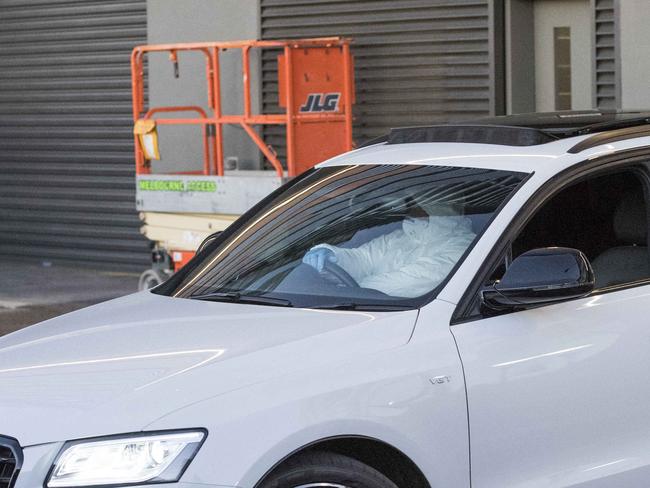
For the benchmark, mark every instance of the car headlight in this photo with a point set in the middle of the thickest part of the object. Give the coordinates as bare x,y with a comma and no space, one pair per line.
125,460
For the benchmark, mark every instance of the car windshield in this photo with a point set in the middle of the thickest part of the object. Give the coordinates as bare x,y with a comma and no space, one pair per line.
382,237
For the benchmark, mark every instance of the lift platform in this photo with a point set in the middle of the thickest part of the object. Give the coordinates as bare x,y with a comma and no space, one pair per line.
179,209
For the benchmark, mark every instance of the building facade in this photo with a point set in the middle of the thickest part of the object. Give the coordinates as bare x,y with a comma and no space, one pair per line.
66,164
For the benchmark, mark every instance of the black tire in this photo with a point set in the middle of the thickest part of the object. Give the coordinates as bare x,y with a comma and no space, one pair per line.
326,470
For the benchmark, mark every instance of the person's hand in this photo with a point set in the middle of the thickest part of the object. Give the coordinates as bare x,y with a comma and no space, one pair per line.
316,258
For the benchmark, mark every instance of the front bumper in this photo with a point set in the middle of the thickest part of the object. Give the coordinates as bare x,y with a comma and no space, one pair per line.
38,461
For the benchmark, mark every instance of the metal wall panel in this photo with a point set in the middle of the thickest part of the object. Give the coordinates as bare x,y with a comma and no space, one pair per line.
606,55
67,189
416,61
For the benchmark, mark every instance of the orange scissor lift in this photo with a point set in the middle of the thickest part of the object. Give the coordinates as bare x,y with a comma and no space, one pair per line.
180,209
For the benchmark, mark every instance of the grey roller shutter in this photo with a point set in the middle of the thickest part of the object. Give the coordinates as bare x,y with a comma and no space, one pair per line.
416,61
607,72
66,156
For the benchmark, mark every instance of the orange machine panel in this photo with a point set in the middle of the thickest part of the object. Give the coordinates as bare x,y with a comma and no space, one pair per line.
318,87
181,258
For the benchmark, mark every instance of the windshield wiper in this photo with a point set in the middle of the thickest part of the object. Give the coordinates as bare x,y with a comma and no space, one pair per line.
235,297
368,307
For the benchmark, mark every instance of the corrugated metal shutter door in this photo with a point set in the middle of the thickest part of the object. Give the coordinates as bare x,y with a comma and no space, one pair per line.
66,161
417,61
606,78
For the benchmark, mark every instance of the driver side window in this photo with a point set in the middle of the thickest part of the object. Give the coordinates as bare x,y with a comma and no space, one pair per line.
605,217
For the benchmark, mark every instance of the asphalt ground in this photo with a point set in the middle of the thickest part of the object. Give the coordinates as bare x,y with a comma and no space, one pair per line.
33,292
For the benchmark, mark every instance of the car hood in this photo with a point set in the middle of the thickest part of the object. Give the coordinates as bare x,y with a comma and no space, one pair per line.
118,366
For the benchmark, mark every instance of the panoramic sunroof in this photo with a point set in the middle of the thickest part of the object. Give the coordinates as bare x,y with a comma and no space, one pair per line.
522,130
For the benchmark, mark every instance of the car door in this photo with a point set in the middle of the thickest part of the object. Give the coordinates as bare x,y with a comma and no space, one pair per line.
560,395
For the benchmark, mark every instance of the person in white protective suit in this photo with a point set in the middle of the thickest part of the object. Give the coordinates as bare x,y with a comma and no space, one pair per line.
407,262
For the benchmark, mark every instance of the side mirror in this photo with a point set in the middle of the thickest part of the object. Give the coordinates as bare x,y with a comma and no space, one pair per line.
541,276
208,240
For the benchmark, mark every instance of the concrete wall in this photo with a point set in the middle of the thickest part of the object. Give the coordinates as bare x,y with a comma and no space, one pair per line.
634,32
200,20
520,56
575,14
530,53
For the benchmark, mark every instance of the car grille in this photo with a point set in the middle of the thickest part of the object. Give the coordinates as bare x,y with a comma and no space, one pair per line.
9,462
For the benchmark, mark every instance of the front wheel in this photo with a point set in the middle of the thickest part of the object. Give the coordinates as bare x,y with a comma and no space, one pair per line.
326,470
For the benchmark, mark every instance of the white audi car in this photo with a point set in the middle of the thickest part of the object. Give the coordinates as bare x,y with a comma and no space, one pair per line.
451,306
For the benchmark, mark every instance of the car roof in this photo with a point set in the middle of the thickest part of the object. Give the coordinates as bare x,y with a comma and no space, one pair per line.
546,142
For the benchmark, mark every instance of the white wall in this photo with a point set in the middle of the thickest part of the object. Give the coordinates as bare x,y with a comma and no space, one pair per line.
560,13
635,53
170,21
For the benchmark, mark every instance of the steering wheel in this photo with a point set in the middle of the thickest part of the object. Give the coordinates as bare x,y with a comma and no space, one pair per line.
340,276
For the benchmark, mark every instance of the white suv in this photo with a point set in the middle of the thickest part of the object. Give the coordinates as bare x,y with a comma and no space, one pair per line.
453,306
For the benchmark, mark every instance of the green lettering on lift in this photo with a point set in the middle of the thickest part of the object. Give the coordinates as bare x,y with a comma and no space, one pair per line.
178,185
161,185
202,185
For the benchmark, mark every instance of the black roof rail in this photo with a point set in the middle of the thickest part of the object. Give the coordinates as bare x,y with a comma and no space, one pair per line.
531,129
479,134
614,124
611,136
572,123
